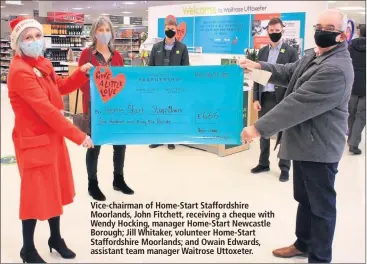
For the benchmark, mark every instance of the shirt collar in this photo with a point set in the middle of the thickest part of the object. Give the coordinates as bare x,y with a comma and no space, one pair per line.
173,42
278,46
94,51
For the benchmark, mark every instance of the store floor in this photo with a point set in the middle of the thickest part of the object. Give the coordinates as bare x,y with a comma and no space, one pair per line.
185,175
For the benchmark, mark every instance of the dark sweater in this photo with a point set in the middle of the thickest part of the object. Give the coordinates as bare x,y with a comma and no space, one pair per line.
357,51
179,55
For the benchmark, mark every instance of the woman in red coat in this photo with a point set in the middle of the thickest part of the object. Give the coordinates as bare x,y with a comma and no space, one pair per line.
40,128
101,53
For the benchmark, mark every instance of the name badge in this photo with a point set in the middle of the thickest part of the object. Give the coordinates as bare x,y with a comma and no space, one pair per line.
282,50
37,72
177,52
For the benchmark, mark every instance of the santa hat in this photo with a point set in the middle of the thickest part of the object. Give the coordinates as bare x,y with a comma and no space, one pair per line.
18,25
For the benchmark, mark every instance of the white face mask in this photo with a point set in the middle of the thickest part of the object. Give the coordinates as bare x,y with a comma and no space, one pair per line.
33,49
104,38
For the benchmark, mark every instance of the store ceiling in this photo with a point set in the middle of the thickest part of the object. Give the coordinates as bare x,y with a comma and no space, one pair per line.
91,8
355,9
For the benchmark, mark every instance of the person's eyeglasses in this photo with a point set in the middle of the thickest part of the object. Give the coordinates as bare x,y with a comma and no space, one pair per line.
329,28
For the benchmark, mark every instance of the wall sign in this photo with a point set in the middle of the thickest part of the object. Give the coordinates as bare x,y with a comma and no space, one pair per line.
185,30
65,17
232,34
137,21
118,20
36,13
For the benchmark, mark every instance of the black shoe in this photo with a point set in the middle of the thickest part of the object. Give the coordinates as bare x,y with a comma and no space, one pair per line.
155,146
119,184
355,150
61,248
31,257
171,146
94,191
260,168
284,176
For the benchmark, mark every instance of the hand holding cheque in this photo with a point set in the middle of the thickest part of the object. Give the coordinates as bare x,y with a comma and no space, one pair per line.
250,133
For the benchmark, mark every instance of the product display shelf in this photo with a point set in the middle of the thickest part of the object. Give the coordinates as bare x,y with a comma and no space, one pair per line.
69,100
127,42
63,42
6,55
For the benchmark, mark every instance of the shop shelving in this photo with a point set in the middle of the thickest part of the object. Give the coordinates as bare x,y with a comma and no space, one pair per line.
127,42
59,39
6,56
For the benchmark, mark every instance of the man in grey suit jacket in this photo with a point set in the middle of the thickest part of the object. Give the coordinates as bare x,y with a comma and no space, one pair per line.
313,117
268,96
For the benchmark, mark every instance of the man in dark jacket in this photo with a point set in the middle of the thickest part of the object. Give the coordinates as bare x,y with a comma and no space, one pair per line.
357,103
169,52
268,96
313,117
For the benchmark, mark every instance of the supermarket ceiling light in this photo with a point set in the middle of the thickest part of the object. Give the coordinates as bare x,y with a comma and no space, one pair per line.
126,12
129,3
78,8
13,2
351,8
2,6
331,2
23,14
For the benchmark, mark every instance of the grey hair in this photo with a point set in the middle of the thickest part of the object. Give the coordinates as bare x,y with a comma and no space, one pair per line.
343,18
102,20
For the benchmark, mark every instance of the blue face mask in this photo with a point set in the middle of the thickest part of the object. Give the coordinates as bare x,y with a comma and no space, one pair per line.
32,49
104,38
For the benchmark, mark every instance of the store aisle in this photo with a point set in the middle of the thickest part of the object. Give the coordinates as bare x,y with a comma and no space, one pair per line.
185,175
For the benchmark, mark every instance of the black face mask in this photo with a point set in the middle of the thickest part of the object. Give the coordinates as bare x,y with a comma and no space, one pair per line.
170,33
325,39
275,37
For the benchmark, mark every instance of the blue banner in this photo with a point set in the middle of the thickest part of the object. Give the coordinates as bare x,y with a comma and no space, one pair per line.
222,34
184,34
161,105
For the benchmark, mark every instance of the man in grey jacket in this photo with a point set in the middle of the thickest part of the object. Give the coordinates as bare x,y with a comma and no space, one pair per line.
313,117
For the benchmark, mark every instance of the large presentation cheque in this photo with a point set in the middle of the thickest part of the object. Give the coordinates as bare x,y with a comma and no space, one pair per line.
152,105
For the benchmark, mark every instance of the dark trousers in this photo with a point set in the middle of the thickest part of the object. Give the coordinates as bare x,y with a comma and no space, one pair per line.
313,186
92,160
357,119
268,102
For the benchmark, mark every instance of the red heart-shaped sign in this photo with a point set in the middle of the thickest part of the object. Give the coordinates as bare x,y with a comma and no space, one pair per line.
108,86
181,31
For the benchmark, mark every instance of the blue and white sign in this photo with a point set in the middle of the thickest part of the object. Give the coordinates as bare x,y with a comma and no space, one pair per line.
153,105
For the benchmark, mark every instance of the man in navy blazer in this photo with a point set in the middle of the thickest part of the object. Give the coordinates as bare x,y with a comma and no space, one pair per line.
268,96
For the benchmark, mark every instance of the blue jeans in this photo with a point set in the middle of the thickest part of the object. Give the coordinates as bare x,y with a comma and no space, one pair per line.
313,186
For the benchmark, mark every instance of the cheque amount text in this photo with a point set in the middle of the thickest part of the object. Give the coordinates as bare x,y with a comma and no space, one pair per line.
211,74
208,116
